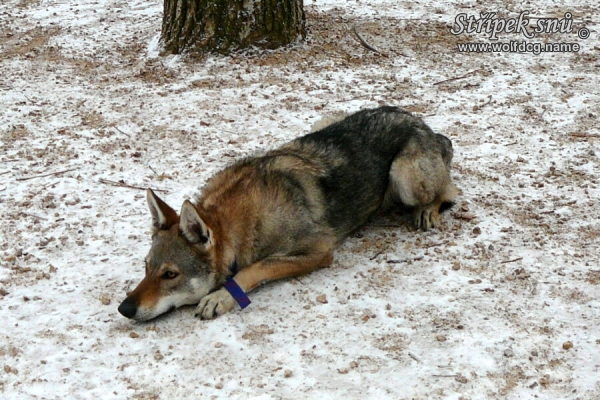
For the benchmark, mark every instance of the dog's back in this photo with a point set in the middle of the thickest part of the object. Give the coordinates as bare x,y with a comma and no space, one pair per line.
340,175
358,152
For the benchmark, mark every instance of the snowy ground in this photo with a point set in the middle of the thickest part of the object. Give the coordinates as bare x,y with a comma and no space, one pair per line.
483,308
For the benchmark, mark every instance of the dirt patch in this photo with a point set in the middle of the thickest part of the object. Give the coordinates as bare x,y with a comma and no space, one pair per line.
29,44
593,277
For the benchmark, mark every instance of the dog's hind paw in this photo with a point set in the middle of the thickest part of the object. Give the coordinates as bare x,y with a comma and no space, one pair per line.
215,304
426,218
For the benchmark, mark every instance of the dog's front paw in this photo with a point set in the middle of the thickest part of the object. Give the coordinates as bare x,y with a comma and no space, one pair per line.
215,304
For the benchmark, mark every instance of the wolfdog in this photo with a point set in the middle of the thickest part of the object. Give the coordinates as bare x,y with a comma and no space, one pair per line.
281,213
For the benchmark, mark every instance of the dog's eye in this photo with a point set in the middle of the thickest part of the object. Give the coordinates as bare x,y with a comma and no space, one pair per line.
170,275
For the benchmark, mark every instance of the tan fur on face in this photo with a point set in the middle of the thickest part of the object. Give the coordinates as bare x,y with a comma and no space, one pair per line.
148,292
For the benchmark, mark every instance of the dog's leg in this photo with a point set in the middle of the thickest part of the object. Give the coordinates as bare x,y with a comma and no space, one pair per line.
268,269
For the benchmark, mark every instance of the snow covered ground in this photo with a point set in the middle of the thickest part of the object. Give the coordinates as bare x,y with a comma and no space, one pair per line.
501,302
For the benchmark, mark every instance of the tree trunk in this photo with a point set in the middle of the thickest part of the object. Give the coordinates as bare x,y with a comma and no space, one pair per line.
226,25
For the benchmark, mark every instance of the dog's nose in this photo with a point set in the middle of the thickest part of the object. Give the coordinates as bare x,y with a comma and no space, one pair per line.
128,308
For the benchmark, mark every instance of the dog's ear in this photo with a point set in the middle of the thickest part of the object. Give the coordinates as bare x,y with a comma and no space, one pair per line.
192,226
163,216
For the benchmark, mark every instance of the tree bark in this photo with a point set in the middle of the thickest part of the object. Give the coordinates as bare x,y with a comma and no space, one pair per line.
227,25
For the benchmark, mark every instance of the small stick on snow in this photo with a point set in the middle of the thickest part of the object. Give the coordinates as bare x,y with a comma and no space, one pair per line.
584,135
44,175
485,104
4,173
458,77
118,130
299,281
33,215
411,355
365,44
437,244
510,261
435,112
353,98
406,260
24,95
152,169
123,184
376,255
444,376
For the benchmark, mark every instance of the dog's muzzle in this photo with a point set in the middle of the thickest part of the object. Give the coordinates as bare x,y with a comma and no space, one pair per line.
128,308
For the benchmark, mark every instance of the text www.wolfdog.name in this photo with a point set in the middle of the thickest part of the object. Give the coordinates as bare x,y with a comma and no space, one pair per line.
518,47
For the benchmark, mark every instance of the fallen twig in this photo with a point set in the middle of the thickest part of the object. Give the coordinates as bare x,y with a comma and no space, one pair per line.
411,355
458,77
435,112
299,281
479,107
436,244
405,260
32,215
376,255
44,175
24,95
444,376
366,44
150,166
4,173
123,184
510,261
118,130
584,135
354,98
41,189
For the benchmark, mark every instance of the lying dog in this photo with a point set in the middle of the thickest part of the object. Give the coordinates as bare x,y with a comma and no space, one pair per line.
282,213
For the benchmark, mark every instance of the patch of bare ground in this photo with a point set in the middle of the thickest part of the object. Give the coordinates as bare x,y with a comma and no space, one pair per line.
28,44
27,3
593,276
257,333
392,344
12,134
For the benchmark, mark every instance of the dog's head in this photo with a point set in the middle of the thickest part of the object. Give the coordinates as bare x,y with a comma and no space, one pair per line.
178,266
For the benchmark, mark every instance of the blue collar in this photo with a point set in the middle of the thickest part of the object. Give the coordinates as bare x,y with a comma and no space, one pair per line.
234,289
